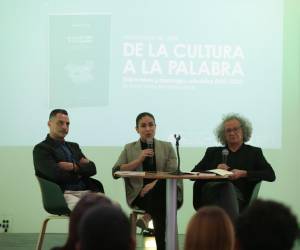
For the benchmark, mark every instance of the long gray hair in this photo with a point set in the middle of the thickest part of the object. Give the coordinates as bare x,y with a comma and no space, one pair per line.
245,126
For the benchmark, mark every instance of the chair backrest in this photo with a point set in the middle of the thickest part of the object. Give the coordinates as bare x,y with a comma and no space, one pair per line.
53,199
254,193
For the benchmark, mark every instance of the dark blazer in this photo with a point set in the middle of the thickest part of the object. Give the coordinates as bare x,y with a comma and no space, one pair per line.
247,158
46,156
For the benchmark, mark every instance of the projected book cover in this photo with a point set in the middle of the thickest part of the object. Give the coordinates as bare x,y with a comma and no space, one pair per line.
79,60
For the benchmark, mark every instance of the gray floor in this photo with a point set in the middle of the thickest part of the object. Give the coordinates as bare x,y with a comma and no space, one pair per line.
14,241
10,241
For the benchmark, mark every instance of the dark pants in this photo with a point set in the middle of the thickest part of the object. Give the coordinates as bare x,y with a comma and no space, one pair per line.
154,203
222,194
84,184
94,185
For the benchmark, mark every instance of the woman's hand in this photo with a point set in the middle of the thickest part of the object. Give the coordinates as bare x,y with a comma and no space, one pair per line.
146,153
147,188
131,166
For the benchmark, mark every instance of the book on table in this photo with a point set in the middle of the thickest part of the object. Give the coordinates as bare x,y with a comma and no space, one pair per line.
221,172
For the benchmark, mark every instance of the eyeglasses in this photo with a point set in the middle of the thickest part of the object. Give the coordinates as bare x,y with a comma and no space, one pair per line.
234,130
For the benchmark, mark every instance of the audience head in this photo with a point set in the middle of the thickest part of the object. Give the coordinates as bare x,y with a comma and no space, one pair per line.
266,225
105,228
86,202
145,126
58,124
210,229
233,129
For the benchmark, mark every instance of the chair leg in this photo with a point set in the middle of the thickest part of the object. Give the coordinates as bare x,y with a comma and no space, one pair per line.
42,234
177,242
133,218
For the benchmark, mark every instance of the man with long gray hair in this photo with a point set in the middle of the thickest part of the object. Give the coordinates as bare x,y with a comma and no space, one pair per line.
247,164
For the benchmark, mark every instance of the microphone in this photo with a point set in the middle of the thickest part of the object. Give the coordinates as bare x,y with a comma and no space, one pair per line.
149,142
225,154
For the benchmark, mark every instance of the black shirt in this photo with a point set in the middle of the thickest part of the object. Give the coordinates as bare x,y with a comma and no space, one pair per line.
149,164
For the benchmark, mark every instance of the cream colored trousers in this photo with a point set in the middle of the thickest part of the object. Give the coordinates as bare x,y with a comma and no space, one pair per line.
72,197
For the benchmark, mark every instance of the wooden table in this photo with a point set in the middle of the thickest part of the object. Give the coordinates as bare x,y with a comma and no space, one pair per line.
171,193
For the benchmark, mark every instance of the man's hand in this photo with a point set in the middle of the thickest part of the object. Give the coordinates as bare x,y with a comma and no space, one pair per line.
147,188
223,166
84,161
237,174
67,166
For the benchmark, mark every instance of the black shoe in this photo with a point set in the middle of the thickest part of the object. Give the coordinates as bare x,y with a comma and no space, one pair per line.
149,232
141,224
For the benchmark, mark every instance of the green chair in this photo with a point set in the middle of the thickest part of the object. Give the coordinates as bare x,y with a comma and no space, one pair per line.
254,194
54,203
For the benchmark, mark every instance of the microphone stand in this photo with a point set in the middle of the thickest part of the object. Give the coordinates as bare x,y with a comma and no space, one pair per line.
177,172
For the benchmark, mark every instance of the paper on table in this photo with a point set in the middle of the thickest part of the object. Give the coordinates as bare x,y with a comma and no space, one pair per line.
219,171
130,173
201,174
